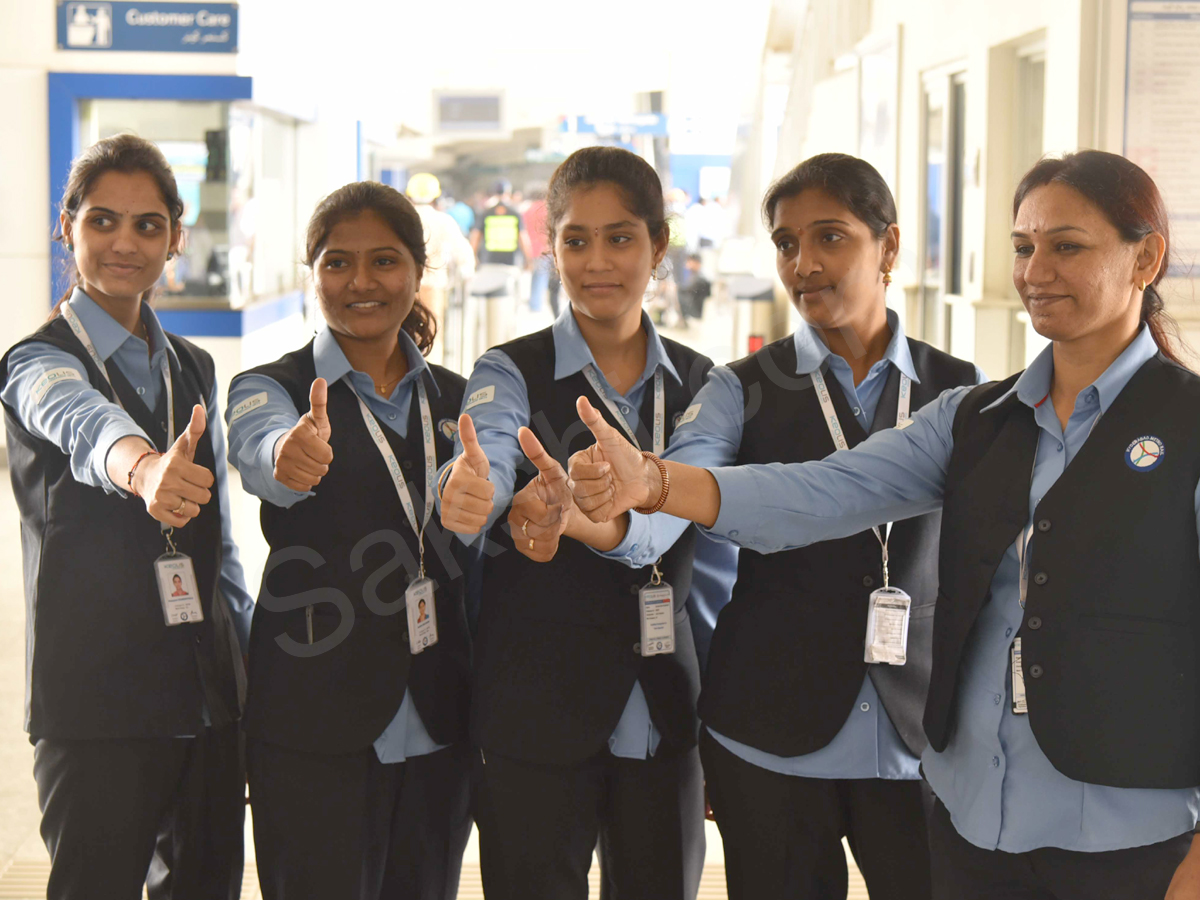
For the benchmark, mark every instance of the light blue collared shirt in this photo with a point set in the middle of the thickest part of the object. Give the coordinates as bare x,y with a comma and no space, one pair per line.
1001,790
496,422
868,745
79,420
252,439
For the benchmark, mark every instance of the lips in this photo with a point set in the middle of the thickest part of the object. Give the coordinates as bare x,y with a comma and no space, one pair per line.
122,268
813,292
366,305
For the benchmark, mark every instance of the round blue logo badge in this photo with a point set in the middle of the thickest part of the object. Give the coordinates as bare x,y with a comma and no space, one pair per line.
1145,454
449,429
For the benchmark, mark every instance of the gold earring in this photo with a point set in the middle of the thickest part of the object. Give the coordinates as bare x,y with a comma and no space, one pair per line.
1143,285
887,277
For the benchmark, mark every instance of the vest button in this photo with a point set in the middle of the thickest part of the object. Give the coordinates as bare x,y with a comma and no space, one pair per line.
637,648
868,581
1043,525
407,464
404,635
1035,671
1041,578
198,639
164,427
1034,623
634,589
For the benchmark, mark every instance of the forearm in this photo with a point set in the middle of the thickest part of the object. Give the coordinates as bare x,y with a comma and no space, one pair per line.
693,495
122,456
602,536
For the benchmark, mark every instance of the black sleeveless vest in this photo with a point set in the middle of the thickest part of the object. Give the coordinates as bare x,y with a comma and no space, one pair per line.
1111,633
557,652
786,663
349,551
100,661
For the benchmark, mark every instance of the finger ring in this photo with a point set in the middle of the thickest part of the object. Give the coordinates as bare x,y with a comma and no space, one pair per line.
525,528
531,543
178,511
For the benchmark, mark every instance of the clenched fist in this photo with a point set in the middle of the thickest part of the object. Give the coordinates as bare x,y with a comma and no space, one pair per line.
303,455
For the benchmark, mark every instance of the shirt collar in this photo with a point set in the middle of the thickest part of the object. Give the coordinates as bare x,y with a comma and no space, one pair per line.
332,365
811,351
572,354
1033,386
106,333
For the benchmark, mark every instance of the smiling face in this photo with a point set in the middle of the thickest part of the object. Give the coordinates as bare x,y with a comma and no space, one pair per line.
604,254
1074,272
366,278
829,260
122,234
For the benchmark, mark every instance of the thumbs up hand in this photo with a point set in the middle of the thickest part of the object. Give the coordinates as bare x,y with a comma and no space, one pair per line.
303,455
467,494
610,477
172,486
541,511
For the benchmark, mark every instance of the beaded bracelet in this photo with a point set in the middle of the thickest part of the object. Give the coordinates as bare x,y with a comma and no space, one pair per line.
666,485
133,471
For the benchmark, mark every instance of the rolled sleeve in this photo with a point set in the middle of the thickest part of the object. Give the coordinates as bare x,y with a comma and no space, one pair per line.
67,411
260,413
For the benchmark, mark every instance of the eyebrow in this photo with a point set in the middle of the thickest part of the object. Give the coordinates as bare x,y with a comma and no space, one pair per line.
624,223
1056,230
372,250
782,228
115,214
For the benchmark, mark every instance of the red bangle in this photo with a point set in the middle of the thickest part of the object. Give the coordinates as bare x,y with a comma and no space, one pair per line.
133,471
666,485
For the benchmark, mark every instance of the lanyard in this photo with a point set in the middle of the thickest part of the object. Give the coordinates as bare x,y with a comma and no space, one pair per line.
903,408
393,465
589,372
86,340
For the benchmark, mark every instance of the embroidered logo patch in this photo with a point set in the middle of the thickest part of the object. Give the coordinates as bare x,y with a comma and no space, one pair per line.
688,415
50,379
481,396
449,429
1146,453
247,405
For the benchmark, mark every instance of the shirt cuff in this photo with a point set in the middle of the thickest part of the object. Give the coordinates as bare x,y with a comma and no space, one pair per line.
636,537
741,506
275,492
108,439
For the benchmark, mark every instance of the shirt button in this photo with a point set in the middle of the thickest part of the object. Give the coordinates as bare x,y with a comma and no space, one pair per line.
1035,623
1040,578
857,411
198,639
868,581
995,762
625,409
1008,632
1060,447
633,549
1043,525
997,699
865,706
141,392
164,426
733,533
1035,671
392,416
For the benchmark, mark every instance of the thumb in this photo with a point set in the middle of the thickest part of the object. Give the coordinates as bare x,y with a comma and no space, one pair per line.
191,436
473,453
318,396
547,465
606,436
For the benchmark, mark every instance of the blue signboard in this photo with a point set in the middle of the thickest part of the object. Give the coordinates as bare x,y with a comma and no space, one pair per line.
155,26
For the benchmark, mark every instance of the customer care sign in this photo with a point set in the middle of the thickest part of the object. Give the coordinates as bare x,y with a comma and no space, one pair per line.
161,27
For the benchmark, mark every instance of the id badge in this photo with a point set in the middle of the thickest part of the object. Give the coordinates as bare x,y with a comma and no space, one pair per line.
177,589
1019,705
658,619
887,627
422,615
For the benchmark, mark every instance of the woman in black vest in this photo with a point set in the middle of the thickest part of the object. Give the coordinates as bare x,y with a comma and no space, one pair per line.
356,716
790,770
1063,713
585,727
116,454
